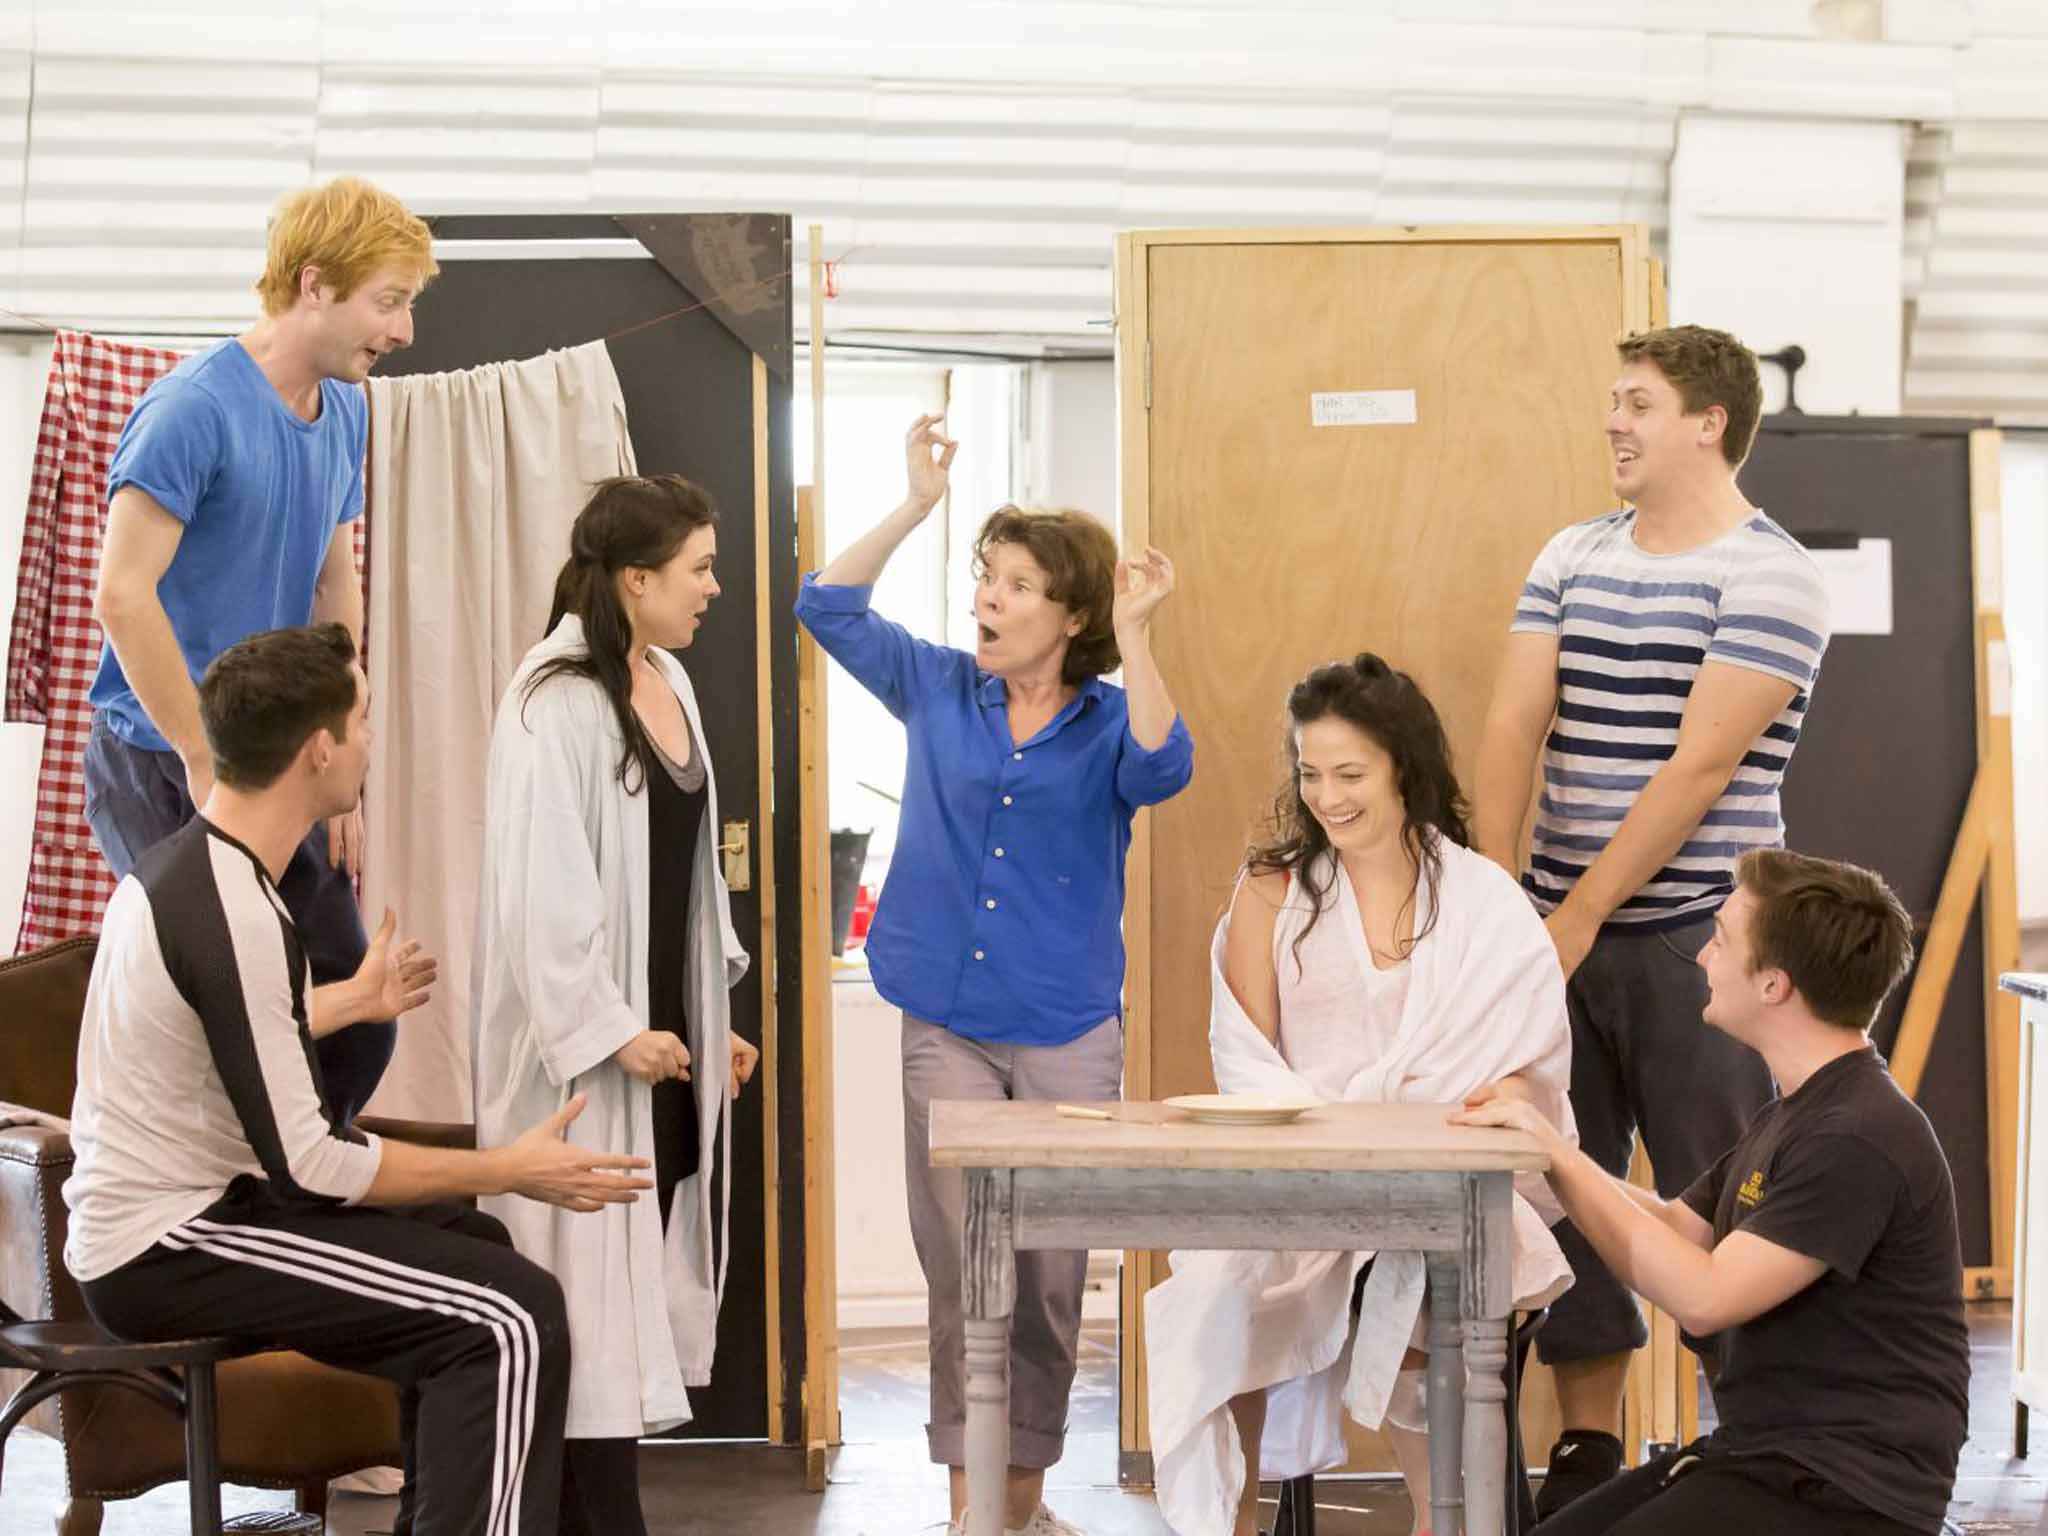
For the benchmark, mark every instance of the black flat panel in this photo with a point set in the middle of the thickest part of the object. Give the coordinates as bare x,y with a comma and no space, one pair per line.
1882,772
688,386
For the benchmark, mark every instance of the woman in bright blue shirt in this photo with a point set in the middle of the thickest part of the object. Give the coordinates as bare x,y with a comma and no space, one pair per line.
999,929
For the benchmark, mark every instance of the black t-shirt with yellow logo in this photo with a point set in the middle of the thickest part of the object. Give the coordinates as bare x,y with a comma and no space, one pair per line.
1864,1376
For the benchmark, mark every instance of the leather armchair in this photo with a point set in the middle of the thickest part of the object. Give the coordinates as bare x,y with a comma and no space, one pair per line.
285,1421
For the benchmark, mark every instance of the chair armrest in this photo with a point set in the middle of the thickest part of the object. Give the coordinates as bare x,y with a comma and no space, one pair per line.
34,1163
421,1133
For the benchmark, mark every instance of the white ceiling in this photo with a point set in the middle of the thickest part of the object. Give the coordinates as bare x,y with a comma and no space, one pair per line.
971,161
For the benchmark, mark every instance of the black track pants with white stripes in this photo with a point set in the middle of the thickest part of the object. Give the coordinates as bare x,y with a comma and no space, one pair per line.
424,1298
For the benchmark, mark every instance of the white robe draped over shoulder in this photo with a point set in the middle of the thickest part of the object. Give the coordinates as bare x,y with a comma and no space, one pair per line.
1485,998
560,983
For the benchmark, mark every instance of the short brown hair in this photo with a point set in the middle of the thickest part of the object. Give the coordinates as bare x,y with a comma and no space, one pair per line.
263,697
1836,930
348,229
1706,367
1078,556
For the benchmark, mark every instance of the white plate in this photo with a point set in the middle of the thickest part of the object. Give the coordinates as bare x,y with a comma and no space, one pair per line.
1240,1108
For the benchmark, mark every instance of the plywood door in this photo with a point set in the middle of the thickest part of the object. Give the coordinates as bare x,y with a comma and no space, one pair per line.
1298,544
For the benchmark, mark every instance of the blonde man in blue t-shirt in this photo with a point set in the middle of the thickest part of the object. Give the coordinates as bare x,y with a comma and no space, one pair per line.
1659,666
230,501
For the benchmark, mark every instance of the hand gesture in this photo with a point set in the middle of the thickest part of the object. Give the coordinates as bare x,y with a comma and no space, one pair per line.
395,980
1141,586
927,472
745,1055
543,1166
654,1056
345,841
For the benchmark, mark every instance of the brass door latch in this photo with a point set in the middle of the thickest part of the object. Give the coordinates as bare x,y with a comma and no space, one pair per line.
737,849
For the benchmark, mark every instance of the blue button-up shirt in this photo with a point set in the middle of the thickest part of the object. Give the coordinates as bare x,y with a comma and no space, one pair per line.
1002,914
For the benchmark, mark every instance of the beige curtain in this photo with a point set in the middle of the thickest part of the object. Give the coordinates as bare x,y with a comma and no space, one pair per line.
474,479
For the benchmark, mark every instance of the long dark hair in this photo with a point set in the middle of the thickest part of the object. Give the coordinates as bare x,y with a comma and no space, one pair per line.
1390,708
630,521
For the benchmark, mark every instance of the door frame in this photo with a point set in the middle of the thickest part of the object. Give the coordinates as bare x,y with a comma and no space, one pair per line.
732,265
1642,304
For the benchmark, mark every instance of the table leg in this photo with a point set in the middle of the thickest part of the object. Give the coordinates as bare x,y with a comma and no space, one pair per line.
1486,1425
1446,1401
988,1294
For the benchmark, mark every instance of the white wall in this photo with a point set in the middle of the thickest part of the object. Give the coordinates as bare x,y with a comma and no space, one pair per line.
1788,231
2024,458
1069,434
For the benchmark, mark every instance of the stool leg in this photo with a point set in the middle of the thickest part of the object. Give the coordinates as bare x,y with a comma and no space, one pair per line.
202,1449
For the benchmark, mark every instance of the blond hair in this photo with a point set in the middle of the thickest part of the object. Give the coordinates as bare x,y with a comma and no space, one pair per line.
347,229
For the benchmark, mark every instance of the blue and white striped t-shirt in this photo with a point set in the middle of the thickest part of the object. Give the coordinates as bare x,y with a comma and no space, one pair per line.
1633,630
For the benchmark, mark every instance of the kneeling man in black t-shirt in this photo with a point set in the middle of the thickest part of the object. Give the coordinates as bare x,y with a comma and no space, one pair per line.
1822,1248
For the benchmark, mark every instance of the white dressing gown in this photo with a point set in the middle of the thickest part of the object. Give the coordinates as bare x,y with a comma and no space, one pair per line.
1484,998
560,983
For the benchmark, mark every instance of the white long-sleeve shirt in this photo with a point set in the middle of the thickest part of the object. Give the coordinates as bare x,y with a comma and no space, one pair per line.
195,1059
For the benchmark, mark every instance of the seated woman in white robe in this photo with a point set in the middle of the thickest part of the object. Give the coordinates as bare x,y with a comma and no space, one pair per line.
1369,955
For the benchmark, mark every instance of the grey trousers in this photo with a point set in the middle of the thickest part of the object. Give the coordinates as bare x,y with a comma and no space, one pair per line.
1046,1326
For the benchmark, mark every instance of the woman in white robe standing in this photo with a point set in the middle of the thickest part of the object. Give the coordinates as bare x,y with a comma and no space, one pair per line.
604,953
1369,955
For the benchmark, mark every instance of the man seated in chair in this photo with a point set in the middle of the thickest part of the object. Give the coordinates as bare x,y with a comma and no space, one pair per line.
1821,1248
217,1193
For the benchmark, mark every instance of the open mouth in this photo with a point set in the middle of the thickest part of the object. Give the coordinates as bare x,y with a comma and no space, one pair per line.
1623,457
988,636
1338,822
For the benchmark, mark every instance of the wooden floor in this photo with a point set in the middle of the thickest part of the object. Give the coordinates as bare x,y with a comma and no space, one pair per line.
882,1484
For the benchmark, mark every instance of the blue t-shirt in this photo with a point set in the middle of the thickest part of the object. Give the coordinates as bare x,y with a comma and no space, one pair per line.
260,493
1002,917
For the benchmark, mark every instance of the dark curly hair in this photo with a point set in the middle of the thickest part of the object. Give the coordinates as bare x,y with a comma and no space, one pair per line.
1078,556
1391,709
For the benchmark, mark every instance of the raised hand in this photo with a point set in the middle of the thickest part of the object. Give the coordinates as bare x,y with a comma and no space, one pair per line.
928,455
1141,586
396,980
542,1166
654,1056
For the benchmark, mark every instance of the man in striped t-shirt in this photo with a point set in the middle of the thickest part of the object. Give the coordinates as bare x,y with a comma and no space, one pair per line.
1660,661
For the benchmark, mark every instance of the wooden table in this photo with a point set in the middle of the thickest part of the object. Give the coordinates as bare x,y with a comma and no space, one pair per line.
1346,1176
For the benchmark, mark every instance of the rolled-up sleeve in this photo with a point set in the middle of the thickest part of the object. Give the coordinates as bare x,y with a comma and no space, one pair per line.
1148,776
884,658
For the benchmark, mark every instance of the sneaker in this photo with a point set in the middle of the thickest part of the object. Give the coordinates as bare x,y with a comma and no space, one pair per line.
1581,1461
1044,1522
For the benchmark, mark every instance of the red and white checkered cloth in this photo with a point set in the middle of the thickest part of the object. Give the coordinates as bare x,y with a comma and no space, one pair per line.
53,648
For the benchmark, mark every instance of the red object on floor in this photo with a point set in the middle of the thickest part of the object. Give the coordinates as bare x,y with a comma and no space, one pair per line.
863,914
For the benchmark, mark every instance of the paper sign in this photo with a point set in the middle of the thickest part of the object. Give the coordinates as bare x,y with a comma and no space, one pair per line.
1362,408
1859,587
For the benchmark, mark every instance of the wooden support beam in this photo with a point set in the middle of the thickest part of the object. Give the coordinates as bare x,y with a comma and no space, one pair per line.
2000,879
764,892
1944,942
821,1246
